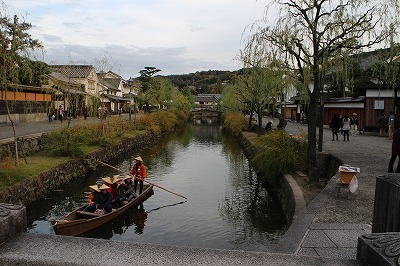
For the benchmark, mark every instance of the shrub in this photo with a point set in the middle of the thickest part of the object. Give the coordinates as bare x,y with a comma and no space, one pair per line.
165,120
234,123
278,153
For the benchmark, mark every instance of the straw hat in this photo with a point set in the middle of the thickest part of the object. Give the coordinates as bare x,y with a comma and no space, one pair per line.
115,179
95,187
354,114
107,179
138,158
104,186
128,177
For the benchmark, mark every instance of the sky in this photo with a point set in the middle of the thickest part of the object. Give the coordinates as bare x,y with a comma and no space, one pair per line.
176,36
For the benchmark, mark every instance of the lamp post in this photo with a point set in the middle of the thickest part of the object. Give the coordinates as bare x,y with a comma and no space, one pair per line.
130,97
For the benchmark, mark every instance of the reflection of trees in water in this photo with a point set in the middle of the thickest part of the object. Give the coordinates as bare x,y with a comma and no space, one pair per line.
207,134
248,208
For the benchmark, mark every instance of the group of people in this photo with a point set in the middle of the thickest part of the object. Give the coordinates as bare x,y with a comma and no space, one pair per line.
344,125
116,192
384,123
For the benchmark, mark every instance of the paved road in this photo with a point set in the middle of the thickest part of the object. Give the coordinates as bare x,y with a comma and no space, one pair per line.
29,128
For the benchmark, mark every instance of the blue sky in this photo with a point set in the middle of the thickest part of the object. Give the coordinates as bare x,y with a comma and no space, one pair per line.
176,36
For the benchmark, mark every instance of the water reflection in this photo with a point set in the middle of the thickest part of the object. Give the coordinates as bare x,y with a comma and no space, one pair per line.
226,207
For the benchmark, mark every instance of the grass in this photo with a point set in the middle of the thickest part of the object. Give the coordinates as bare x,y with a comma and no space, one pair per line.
11,174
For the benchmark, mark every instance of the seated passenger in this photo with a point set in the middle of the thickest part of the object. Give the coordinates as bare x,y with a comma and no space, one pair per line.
119,193
129,188
103,200
107,181
93,191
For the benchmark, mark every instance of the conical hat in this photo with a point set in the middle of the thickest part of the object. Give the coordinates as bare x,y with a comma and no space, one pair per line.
104,186
115,179
128,177
95,187
138,158
107,179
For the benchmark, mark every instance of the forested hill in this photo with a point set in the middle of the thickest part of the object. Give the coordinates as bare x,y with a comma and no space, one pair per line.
204,81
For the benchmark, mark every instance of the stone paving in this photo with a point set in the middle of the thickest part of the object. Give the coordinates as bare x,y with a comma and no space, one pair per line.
324,233
331,224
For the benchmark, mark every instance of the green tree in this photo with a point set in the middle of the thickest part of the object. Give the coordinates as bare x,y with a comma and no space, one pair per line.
15,41
308,34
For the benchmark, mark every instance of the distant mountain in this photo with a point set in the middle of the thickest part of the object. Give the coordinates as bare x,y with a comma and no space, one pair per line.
203,81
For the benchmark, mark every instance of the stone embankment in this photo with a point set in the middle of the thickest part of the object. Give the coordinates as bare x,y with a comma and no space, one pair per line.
34,188
287,189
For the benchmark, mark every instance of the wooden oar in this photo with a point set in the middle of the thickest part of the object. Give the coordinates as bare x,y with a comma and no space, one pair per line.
127,173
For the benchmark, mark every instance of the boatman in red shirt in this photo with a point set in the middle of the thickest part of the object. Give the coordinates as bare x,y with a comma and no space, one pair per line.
140,173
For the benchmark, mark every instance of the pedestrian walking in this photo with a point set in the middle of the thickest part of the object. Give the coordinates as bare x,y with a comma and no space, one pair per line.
334,124
60,113
354,124
346,127
50,113
391,125
395,152
382,123
85,112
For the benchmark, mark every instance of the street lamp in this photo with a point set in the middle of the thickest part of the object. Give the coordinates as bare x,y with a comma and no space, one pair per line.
130,83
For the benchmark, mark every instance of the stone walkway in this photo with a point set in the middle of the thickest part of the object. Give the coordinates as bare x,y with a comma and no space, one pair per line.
324,233
330,225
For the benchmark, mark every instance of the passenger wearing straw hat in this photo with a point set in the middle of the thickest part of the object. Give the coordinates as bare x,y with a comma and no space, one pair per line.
103,199
129,188
140,173
107,180
94,190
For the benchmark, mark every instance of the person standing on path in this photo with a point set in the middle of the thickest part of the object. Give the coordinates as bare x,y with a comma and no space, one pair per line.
140,173
335,125
391,125
346,127
354,124
395,152
85,112
50,114
382,123
61,113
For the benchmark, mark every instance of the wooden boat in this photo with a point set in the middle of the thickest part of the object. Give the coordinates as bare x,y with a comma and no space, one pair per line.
80,221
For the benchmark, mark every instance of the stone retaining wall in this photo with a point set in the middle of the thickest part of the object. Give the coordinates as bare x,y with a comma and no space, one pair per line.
34,188
26,145
327,166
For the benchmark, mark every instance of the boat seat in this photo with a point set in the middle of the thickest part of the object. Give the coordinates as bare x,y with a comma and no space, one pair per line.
90,214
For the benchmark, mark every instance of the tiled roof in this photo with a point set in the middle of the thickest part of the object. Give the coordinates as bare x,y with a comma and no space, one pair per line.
208,98
111,83
72,71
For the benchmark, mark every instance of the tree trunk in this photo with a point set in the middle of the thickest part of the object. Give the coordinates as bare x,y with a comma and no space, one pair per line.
312,139
259,118
15,135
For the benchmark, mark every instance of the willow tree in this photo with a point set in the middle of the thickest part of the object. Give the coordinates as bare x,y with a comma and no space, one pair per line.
14,41
308,34
260,83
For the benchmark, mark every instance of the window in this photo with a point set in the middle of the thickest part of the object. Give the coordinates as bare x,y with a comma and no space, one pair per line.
379,105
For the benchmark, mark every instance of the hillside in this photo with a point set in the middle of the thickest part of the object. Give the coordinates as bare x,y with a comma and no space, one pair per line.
203,81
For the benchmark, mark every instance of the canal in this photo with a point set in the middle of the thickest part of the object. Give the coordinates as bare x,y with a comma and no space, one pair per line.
226,206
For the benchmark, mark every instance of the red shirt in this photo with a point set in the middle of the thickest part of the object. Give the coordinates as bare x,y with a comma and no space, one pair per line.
142,171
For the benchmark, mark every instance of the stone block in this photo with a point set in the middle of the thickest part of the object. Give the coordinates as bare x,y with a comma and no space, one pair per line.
379,249
12,221
386,216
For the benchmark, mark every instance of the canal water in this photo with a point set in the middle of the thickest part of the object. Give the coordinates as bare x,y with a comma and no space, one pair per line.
226,206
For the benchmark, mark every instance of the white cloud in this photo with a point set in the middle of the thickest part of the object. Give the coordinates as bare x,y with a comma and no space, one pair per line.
174,35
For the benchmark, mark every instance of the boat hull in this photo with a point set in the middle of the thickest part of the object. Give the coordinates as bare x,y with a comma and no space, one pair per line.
73,224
